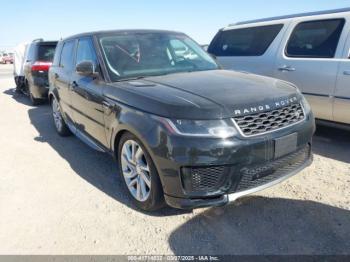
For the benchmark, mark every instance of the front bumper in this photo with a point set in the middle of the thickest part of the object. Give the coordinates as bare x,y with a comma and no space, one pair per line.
187,203
230,159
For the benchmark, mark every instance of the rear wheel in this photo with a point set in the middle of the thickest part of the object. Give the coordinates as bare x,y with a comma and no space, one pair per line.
139,174
61,127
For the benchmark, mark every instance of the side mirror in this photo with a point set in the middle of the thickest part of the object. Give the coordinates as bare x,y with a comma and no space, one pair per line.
86,68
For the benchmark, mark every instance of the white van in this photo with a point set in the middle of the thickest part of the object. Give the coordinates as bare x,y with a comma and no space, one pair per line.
20,54
311,50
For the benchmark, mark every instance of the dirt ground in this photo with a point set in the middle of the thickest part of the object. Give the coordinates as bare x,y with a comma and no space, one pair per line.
58,196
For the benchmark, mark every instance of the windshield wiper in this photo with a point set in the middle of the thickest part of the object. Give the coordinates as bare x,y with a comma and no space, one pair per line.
130,78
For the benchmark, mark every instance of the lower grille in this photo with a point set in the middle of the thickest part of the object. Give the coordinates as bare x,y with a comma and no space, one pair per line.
262,174
199,181
203,179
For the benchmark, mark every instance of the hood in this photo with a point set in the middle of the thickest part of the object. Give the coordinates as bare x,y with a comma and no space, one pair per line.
205,94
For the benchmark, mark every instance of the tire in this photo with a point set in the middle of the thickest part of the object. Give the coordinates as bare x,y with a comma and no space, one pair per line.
139,173
18,88
61,127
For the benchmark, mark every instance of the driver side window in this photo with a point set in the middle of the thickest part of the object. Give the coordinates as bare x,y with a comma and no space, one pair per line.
86,51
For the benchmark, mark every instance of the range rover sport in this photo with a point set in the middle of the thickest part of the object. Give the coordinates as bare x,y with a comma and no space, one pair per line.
184,131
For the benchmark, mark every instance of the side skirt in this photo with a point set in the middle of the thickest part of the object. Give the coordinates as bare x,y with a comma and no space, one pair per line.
84,138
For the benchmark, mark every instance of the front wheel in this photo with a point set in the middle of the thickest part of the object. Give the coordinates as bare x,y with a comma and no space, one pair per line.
61,127
139,174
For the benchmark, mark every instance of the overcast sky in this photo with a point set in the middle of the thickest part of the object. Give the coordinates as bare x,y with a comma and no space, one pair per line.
24,20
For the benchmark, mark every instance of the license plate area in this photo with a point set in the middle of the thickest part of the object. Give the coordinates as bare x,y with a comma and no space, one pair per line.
285,145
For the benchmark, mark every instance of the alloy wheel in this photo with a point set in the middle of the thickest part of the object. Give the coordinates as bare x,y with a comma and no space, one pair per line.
136,170
57,116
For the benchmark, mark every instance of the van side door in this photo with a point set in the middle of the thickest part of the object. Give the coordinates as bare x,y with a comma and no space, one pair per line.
341,109
87,96
308,58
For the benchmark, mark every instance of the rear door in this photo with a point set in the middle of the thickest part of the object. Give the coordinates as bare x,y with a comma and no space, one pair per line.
62,77
341,109
308,58
250,48
87,95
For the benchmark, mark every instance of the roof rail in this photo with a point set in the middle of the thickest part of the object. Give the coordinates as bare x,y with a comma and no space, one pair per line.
334,11
38,40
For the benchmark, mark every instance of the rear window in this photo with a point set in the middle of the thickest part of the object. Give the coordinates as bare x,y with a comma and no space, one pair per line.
315,39
46,52
252,41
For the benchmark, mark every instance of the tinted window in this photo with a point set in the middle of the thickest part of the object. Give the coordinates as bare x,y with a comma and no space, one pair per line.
316,39
67,55
46,52
253,41
86,51
31,52
56,59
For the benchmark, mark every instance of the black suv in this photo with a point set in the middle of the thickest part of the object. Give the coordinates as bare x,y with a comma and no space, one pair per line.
184,131
36,66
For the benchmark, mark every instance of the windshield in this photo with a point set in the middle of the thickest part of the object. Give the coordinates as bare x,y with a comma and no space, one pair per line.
150,54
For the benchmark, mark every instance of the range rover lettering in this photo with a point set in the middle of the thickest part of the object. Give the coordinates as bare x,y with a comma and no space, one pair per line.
184,131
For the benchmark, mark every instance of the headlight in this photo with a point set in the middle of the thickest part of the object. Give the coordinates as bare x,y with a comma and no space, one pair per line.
203,128
306,105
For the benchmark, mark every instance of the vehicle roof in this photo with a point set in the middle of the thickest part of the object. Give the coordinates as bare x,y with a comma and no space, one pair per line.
44,43
325,12
124,31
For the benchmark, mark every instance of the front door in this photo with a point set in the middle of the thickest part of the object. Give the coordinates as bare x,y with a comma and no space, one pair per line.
87,95
341,110
308,59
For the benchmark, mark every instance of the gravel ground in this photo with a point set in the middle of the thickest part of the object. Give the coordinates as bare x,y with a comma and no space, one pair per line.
58,196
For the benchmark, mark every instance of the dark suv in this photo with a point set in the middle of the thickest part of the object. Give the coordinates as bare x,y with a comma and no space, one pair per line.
184,131
36,66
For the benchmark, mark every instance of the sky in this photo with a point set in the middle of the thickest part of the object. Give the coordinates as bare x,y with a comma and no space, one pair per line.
25,20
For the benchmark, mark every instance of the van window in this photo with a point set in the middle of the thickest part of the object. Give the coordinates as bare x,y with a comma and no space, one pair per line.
315,39
31,53
66,61
252,41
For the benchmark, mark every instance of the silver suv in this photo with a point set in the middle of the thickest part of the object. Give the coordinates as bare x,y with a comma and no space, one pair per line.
310,50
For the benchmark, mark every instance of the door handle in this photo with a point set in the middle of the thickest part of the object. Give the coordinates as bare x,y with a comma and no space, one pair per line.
107,107
56,76
286,69
347,73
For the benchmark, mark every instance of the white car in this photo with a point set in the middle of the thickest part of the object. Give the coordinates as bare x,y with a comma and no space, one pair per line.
311,50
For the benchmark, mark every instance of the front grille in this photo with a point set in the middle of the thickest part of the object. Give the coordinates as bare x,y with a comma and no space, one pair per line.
255,124
262,174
